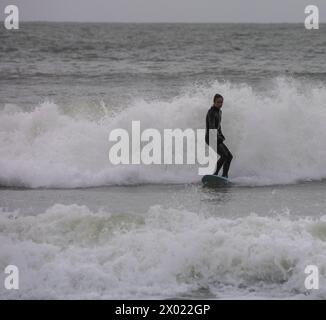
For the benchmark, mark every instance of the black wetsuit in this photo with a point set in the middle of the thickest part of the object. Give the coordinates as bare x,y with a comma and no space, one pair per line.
213,121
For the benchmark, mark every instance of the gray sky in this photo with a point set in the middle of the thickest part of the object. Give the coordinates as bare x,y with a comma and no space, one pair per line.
260,11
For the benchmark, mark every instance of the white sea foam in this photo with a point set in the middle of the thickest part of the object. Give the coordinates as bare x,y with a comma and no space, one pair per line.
276,137
72,252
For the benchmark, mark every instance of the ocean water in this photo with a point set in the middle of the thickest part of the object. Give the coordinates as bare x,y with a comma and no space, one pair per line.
77,226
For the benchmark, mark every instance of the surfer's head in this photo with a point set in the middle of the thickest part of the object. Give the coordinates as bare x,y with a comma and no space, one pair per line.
218,101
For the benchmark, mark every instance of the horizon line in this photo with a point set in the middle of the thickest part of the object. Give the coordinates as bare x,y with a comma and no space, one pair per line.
160,22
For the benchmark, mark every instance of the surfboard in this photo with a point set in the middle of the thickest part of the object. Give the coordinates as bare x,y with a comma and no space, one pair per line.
215,181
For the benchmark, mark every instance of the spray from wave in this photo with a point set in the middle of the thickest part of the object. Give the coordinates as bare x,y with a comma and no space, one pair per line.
277,136
71,252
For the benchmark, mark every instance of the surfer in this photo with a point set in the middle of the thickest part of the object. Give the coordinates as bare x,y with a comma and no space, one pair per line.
213,121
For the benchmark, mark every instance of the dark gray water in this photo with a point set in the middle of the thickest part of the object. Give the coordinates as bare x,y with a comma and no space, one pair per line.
79,227
114,62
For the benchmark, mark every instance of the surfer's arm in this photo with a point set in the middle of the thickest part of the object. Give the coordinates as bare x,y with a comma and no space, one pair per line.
211,121
219,131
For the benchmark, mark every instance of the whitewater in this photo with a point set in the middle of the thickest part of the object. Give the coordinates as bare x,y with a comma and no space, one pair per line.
277,138
72,252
